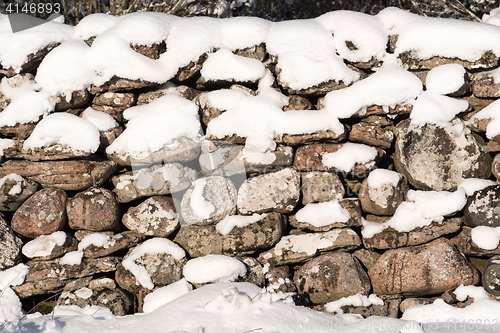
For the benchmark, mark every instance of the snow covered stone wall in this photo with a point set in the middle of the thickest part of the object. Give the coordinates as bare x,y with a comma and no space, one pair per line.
332,158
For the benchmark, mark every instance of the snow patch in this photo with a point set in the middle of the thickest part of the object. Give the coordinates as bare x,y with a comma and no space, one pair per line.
214,268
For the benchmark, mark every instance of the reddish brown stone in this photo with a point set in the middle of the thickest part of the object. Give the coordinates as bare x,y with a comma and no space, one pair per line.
422,270
94,209
18,131
484,86
114,99
374,131
384,200
124,240
79,99
42,214
51,153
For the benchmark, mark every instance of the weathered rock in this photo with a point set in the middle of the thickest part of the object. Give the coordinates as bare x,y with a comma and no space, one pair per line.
422,270
42,214
321,186
466,245
350,204
374,131
100,292
279,279
79,99
278,191
383,200
191,70
390,238
409,302
318,137
484,86
310,158
95,209
266,162
162,268
495,166
299,248
121,84
296,102
483,208
18,131
155,180
51,153
181,150
156,216
255,52
491,276
10,246
167,88
201,240
435,158
487,60
14,190
121,241
33,61
48,247
330,277
255,273
390,308
366,257
81,234
119,101
64,175
377,110
204,84
106,138
50,276
151,51
215,191
114,111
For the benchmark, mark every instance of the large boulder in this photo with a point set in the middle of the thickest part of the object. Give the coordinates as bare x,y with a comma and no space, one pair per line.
439,159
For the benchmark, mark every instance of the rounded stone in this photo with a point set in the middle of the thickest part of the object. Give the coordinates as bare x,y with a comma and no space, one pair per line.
383,200
491,276
483,208
42,214
95,209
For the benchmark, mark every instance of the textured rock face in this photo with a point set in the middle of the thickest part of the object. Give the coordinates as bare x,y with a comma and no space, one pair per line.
491,276
218,192
439,159
95,209
10,246
14,191
320,186
48,247
384,200
484,86
201,240
427,269
374,130
278,191
466,245
42,214
483,208
330,277
156,216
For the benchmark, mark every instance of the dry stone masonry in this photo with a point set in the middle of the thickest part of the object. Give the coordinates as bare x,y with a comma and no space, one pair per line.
327,163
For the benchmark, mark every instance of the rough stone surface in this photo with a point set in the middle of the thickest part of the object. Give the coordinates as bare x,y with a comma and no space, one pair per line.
114,99
427,269
389,309
483,208
151,51
200,240
51,153
464,243
219,192
95,209
374,131
278,191
10,246
14,193
310,158
121,241
495,166
367,258
383,200
330,277
484,86
317,137
299,248
184,91
320,186
120,84
34,60
50,276
296,102
409,302
42,214
155,180
156,216
221,160
491,276
390,238
49,248
487,60
255,273
439,159
279,279
18,131
79,99
65,175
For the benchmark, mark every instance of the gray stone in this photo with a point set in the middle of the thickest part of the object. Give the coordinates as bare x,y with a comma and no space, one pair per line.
221,160
491,276
483,208
330,277
10,246
155,180
439,159
255,273
278,191
488,60
14,191
156,216
279,279
383,200
218,191
299,248
201,240
320,186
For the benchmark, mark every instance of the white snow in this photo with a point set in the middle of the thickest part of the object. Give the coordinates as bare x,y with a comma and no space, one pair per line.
323,213
493,17
445,79
152,126
164,295
492,111
462,292
225,65
486,238
6,143
17,188
96,239
349,155
355,300
420,210
9,301
471,185
151,246
227,224
200,206
72,258
43,245
378,177
65,129
103,121
214,268
432,108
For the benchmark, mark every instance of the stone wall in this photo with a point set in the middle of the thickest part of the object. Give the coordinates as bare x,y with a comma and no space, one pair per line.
59,196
